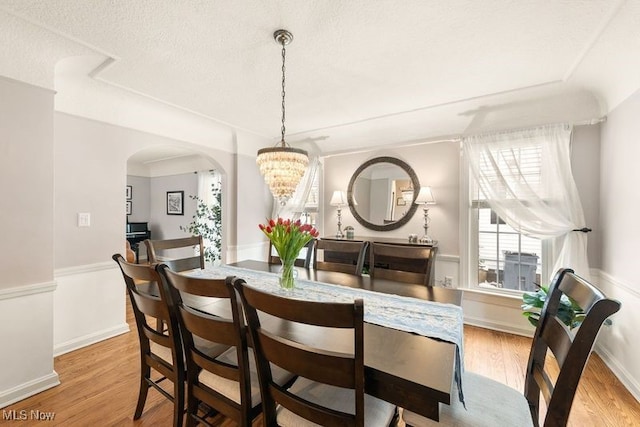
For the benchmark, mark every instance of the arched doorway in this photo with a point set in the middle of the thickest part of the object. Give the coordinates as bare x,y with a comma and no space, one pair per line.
164,190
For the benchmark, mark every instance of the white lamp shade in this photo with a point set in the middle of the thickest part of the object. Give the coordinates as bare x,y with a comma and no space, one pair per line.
425,197
339,198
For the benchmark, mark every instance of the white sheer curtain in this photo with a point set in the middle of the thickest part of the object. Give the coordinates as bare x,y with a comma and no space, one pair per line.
541,202
294,207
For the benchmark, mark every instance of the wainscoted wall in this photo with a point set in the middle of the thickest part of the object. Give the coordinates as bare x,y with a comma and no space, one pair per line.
26,313
618,344
89,306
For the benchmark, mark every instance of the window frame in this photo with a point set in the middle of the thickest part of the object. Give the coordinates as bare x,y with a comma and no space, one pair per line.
469,237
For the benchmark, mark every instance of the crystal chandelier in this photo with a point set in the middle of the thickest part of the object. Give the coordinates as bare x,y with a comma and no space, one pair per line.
282,166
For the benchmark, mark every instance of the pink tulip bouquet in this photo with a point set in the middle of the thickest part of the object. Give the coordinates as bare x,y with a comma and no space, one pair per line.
288,237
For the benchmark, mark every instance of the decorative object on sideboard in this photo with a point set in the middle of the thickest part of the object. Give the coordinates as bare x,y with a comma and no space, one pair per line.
349,231
282,166
425,198
339,200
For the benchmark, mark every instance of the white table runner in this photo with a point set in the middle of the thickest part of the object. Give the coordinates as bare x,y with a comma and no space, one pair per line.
427,318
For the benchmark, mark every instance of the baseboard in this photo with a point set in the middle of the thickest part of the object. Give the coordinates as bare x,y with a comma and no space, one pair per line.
619,371
28,389
497,326
89,339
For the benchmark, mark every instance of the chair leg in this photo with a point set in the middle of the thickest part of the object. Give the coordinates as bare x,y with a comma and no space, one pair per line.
178,402
145,375
192,408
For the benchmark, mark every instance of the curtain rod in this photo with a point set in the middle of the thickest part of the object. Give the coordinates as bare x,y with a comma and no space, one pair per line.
590,122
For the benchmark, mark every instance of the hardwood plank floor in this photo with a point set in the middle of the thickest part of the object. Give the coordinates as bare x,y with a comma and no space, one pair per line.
99,385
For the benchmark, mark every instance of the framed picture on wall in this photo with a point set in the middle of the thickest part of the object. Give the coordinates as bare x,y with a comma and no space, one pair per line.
129,192
129,207
175,202
400,201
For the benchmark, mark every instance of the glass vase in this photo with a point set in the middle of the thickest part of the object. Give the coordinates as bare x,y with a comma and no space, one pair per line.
288,274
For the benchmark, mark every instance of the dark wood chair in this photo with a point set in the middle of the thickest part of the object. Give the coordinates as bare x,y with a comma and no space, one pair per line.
339,255
490,403
226,382
305,261
176,253
329,390
160,350
410,264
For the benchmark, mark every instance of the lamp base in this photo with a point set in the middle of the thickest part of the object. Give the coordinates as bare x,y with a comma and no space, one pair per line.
426,239
340,234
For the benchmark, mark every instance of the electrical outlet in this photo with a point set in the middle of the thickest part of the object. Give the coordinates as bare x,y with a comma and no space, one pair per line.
84,219
448,281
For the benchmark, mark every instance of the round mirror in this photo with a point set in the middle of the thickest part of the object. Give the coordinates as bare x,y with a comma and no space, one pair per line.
381,193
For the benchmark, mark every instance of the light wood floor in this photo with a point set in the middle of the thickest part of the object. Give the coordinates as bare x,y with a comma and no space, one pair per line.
99,384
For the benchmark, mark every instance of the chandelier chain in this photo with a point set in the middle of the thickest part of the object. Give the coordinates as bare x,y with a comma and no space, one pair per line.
283,91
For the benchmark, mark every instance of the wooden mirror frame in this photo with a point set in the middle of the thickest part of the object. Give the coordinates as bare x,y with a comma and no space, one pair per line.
412,209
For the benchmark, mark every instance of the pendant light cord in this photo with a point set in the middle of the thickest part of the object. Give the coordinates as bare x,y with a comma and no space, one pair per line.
283,91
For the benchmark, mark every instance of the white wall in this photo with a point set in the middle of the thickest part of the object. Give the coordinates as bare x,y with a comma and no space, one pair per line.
619,207
26,265
252,202
165,226
141,199
585,164
436,165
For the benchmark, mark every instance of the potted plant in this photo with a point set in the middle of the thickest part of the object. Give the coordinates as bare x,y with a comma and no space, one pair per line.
569,312
207,222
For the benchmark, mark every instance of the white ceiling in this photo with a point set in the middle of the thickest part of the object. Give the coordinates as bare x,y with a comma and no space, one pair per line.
360,73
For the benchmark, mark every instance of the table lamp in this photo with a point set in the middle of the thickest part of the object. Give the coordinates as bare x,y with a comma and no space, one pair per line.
339,199
425,198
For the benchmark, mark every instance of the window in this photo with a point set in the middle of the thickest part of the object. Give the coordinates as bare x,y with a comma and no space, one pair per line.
507,259
500,257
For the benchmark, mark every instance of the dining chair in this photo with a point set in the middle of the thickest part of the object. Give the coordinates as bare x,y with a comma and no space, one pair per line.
176,253
303,261
490,403
329,389
226,382
339,255
410,264
160,349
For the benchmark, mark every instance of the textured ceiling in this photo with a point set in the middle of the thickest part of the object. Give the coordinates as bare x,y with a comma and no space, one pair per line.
360,73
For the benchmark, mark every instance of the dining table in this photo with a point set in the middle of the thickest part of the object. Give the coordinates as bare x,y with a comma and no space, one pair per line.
403,364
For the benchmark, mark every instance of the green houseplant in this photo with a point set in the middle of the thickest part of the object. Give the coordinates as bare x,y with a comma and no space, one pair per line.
207,222
569,312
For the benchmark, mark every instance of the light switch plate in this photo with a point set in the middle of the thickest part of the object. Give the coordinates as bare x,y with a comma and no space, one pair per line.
84,219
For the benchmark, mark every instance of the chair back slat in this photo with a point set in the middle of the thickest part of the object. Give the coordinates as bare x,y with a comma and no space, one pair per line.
339,255
558,339
571,352
403,263
150,305
208,327
317,414
314,363
173,252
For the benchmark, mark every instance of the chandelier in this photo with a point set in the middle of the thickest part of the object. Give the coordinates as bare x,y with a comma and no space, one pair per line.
282,166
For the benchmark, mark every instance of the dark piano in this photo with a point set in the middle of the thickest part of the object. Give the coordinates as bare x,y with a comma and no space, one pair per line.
136,233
